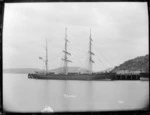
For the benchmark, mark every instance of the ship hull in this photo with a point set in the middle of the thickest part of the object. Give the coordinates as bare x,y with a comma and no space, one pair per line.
71,77
104,76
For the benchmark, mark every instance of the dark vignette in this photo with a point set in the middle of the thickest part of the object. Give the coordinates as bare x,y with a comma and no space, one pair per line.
145,111
1,34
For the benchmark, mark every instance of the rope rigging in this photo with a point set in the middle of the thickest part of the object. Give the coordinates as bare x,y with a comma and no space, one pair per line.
101,55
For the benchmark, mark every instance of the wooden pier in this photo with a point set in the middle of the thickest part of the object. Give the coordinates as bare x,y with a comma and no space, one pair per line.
125,77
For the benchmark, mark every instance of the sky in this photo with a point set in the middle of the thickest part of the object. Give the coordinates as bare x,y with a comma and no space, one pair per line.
119,32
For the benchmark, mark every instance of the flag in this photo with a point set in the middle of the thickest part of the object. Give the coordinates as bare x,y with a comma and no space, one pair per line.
40,57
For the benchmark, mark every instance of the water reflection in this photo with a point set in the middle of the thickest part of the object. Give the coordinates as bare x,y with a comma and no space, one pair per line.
73,93
90,95
64,99
46,92
29,95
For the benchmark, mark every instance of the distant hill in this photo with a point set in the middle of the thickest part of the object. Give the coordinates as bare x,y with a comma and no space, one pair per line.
20,70
56,70
137,64
107,70
70,70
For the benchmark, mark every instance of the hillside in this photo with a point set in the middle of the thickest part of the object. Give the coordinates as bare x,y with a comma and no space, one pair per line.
20,70
70,70
137,64
56,70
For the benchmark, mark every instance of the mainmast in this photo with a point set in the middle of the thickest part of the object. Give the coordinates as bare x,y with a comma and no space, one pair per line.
90,54
65,59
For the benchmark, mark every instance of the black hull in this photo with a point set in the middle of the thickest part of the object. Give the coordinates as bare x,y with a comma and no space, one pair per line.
70,77
105,76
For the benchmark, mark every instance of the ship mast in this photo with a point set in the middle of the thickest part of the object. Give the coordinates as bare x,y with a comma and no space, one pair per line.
65,59
46,62
90,53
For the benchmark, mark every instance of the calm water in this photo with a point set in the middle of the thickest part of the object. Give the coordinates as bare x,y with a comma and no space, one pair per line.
29,95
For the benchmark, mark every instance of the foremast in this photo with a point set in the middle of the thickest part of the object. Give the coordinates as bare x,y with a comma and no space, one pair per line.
90,53
66,53
46,61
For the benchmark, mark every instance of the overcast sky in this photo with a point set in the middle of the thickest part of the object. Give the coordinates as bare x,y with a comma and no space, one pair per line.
119,33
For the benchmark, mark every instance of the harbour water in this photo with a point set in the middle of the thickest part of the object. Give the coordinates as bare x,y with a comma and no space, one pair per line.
21,94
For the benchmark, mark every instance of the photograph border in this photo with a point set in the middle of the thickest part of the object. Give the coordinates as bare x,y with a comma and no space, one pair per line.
2,8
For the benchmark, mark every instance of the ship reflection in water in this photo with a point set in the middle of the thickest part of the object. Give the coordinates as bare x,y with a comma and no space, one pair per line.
21,94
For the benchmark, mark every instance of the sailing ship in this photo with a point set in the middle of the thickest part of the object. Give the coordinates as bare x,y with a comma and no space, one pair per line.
90,75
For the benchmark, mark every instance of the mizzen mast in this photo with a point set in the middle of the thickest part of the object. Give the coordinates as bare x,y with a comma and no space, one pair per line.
90,54
65,59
